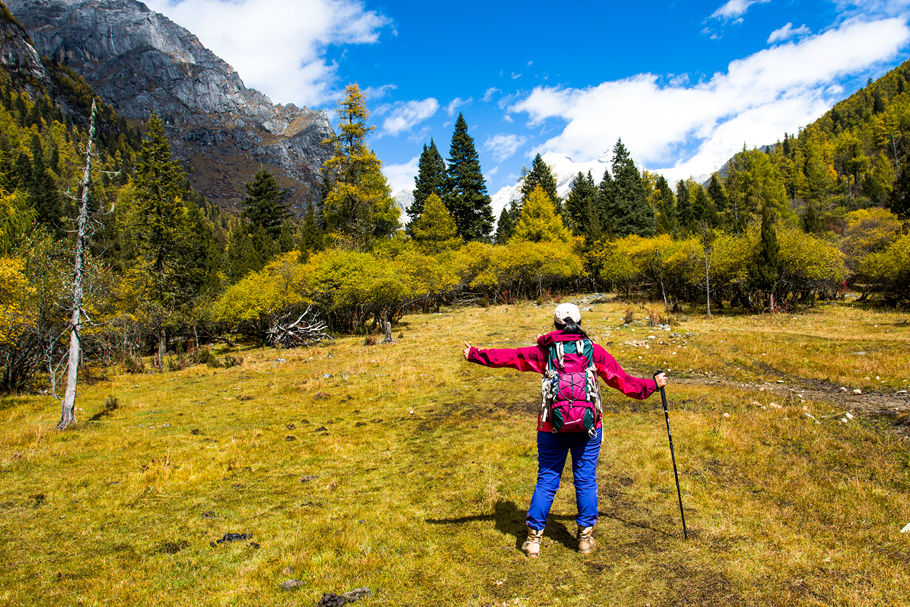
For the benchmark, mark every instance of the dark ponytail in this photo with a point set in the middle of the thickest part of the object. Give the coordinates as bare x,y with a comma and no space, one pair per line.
570,327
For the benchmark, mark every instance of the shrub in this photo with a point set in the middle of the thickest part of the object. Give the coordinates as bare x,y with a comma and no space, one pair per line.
232,361
888,271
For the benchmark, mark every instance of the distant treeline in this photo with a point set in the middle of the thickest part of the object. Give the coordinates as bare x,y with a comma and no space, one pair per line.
780,226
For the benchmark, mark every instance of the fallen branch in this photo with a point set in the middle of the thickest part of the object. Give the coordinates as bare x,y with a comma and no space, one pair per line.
301,332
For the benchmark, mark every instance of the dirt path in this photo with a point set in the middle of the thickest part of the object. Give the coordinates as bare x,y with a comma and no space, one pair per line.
876,404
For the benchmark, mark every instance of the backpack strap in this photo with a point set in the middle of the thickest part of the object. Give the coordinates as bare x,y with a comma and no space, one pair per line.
586,347
592,387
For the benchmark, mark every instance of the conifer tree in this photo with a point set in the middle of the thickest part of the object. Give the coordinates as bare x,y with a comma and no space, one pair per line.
264,203
717,194
606,203
538,221
684,205
359,204
311,237
241,256
667,220
540,175
171,237
581,208
811,222
430,179
630,211
160,191
504,227
702,209
753,181
435,228
42,190
21,177
899,202
466,198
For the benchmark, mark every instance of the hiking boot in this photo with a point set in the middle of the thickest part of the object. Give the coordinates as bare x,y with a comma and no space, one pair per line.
531,547
585,539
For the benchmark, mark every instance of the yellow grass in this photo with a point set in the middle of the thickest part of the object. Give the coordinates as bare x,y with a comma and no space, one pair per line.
410,470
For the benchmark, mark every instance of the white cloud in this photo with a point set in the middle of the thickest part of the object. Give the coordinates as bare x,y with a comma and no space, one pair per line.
735,8
489,93
503,145
786,32
375,93
873,8
404,116
694,128
401,176
278,47
457,103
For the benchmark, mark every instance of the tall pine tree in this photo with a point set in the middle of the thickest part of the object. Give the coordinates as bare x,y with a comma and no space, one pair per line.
718,194
605,203
466,198
504,227
171,237
430,179
667,220
581,208
702,208
684,206
540,175
630,211
42,190
264,203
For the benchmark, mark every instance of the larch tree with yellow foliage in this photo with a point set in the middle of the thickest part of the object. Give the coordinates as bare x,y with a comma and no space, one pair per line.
538,221
435,229
359,205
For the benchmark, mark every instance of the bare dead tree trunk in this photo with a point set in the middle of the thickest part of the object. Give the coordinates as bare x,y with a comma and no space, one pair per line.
68,414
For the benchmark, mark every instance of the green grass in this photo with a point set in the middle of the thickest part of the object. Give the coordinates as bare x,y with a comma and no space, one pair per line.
410,470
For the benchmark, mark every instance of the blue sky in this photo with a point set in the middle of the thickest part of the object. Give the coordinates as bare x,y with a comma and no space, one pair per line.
685,84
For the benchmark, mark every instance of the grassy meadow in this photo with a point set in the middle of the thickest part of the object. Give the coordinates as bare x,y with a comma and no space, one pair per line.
402,468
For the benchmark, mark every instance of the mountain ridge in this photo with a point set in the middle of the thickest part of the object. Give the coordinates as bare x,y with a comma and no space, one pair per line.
141,62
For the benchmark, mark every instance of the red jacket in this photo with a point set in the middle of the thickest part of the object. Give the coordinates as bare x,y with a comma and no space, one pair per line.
534,359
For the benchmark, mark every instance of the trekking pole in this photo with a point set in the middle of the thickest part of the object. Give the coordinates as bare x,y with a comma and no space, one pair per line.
663,398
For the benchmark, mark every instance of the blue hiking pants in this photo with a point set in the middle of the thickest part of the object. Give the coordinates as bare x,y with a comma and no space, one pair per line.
551,459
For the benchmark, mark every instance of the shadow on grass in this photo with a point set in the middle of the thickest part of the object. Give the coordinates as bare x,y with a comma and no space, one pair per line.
510,520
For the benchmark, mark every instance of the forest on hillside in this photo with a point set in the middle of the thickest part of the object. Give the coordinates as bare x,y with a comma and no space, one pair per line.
819,212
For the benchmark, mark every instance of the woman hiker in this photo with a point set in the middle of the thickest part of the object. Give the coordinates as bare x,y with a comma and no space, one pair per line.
570,416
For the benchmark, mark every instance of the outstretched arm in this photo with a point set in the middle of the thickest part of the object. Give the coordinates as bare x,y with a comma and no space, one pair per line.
523,359
614,376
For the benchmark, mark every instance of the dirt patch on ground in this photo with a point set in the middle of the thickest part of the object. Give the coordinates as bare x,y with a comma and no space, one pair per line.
891,405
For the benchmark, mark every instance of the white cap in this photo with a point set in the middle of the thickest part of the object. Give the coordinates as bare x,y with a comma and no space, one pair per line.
567,310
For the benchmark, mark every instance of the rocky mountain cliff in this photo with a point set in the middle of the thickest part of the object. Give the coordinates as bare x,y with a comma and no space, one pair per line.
18,57
140,62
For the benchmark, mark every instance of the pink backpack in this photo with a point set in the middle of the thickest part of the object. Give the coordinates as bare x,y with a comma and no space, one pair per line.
571,401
